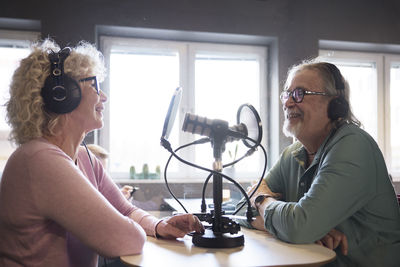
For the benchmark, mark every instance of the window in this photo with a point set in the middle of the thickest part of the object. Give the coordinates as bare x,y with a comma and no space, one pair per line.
216,79
374,80
393,108
13,47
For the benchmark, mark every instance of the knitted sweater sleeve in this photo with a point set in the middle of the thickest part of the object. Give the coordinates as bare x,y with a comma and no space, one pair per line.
64,194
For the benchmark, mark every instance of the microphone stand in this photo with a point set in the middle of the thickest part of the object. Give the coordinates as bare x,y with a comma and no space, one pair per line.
224,232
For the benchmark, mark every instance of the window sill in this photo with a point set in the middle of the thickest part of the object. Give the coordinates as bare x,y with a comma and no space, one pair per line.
175,181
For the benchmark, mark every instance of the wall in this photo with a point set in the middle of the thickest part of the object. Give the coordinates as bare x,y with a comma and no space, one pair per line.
297,26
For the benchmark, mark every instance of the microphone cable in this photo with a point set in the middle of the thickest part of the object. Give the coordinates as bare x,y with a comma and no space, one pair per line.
165,143
203,201
258,184
249,152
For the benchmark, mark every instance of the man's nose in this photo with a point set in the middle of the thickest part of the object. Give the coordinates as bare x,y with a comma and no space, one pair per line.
288,103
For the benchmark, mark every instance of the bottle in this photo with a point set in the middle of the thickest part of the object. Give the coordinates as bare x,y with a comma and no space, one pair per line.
132,172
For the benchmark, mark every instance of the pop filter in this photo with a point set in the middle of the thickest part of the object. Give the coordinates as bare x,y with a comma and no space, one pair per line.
171,113
248,115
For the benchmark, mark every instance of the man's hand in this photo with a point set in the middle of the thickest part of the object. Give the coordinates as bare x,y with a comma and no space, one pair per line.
334,239
178,226
262,189
258,223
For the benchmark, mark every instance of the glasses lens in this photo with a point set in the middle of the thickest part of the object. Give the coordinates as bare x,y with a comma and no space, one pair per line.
96,84
93,81
284,95
298,95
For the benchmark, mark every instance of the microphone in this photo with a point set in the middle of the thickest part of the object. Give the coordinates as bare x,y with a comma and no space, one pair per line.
214,129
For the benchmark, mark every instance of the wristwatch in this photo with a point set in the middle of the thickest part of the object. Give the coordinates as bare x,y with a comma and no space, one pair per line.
260,199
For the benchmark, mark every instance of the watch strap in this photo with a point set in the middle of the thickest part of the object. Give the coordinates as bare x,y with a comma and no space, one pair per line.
260,199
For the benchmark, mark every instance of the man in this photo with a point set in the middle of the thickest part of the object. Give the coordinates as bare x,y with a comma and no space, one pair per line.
331,186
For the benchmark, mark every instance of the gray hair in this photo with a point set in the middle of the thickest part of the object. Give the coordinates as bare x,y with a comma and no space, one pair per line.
328,79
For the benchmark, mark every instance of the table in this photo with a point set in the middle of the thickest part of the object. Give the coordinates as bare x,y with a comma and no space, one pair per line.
260,249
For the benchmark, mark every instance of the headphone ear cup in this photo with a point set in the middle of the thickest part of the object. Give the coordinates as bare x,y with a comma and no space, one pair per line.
61,97
338,108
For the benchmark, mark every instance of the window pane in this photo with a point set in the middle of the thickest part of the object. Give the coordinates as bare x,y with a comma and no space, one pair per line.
143,76
222,84
9,60
395,116
141,86
363,93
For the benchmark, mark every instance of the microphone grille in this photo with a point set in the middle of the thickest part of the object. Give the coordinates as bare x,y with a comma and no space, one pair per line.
197,125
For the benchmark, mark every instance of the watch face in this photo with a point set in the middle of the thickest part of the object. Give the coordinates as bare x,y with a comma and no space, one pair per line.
259,199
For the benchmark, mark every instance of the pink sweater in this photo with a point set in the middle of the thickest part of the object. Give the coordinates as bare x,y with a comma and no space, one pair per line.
56,213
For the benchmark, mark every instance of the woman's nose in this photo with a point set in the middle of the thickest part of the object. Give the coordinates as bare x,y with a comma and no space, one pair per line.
103,96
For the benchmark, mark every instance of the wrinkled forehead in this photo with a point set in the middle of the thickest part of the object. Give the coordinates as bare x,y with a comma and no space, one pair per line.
305,78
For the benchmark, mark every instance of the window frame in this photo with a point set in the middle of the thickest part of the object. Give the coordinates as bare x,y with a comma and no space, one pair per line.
15,39
383,62
388,60
107,43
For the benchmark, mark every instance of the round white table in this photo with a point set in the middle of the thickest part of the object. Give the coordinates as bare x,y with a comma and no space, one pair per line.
260,249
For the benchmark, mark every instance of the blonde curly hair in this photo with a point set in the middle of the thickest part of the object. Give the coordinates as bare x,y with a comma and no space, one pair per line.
25,109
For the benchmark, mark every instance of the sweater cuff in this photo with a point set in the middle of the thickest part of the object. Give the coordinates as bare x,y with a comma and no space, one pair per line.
268,213
156,235
147,221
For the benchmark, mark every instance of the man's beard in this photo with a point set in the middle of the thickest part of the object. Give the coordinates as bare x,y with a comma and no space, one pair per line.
291,130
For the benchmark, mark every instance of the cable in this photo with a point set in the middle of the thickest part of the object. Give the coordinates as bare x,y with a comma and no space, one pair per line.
164,143
259,182
87,150
203,202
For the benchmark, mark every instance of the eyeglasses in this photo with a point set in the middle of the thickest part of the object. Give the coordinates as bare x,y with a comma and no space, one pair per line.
298,94
95,84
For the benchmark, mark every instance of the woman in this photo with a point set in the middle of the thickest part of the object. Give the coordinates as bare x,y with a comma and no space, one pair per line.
58,207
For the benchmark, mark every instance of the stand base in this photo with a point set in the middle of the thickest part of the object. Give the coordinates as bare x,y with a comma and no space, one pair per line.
211,240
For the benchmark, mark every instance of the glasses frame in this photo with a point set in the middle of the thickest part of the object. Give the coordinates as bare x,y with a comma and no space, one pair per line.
285,95
89,79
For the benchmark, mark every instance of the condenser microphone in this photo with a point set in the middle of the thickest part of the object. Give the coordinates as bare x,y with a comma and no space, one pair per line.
213,128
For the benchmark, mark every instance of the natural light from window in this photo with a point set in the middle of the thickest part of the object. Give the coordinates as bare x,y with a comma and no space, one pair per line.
142,86
395,116
222,85
363,94
9,60
143,75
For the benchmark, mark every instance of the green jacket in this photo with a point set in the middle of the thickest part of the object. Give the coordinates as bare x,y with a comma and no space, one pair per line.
346,187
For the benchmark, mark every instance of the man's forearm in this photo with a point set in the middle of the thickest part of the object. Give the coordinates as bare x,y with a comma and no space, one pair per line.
259,223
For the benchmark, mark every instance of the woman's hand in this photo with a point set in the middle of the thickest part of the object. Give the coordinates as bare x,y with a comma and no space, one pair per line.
178,226
334,239
126,190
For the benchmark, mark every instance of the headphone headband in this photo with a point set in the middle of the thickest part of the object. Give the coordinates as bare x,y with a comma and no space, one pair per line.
338,107
337,76
61,93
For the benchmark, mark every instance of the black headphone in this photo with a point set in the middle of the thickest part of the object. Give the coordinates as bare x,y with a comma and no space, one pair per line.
338,107
61,94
